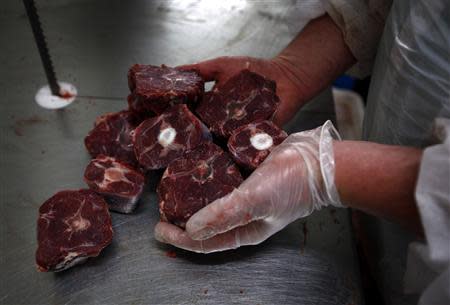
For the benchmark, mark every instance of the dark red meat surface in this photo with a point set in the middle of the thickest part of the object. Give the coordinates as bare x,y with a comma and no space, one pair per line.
246,97
72,226
159,140
249,145
120,184
153,88
190,183
111,136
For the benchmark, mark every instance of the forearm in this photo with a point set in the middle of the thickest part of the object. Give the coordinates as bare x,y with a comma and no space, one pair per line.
379,180
316,57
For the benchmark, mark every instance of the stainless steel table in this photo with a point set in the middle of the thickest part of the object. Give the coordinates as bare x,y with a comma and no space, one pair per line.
312,261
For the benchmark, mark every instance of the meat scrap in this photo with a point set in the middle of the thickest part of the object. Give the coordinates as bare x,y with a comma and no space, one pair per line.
111,136
159,140
249,145
156,88
72,226
246,97
120,184
195,180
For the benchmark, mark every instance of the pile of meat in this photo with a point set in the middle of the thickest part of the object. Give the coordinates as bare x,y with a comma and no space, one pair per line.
202,141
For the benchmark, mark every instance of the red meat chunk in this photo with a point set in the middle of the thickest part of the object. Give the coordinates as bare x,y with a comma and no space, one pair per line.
111,136
246,97
192,182
156,88
249,145
159,140
72,226
120,184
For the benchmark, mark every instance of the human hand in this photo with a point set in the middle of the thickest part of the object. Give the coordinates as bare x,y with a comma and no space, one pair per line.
288,89
295,179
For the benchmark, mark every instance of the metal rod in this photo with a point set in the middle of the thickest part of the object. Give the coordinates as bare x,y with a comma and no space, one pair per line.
42,46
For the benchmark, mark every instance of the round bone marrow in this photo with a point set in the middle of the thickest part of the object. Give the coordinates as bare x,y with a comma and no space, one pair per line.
249,145
162,139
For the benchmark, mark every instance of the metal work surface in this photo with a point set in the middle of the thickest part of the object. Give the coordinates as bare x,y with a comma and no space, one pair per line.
312,261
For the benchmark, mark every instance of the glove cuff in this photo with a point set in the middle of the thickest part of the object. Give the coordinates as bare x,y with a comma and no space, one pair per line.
328,133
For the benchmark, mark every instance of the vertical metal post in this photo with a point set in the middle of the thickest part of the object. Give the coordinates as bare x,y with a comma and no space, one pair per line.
42,46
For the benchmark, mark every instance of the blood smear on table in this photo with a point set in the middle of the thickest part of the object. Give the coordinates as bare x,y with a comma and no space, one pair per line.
171,254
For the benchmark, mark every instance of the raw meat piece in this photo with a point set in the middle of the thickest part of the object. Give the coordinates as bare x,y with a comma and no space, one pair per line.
246,97
119,183
72,226
195,180
251,144
157,141
156,88
111,136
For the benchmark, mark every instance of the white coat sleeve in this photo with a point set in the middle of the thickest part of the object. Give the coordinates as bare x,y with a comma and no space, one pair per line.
362,23
428,264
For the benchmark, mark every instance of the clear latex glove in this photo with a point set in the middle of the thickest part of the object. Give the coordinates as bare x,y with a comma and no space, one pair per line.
295,179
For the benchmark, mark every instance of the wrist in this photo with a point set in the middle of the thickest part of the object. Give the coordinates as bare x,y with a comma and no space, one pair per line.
340,178
378,179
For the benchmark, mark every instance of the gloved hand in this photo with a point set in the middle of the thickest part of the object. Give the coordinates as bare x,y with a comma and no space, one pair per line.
295,179
289,89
